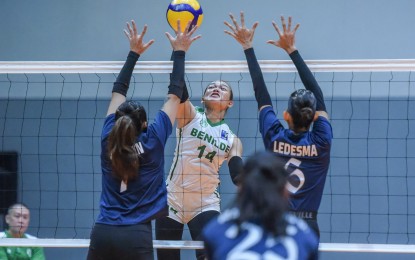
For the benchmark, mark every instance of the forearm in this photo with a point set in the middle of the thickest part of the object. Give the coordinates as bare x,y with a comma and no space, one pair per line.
176,86
122,82
261,92
235,169
185,95
308,79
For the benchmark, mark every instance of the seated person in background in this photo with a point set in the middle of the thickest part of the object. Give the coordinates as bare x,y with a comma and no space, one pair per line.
17,219
258,226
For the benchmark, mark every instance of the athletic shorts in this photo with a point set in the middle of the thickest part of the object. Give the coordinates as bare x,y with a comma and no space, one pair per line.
184,206
133,242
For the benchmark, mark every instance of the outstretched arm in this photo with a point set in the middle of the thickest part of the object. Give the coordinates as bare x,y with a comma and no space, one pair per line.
186,111
121,84
286,41
245,37
180,44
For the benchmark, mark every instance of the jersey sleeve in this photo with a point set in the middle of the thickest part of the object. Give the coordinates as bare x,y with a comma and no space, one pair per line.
269,124
108,125
322,131
161,126
106,129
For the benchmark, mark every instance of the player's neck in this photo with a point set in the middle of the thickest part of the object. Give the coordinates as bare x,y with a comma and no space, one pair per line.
215,116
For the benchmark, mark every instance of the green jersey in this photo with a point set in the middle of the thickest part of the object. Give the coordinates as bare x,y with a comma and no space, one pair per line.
20,253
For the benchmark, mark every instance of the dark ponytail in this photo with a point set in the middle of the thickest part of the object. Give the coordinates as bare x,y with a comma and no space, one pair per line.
262,194
124,158
303,118
130,118
302,108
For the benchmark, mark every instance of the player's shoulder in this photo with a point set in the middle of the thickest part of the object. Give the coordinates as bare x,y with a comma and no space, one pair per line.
108,124
109,119
200,114
323,114
266,109
162,117
323,128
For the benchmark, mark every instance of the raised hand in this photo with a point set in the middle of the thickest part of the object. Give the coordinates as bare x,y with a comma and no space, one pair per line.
183,40
242,34
136,40
286,39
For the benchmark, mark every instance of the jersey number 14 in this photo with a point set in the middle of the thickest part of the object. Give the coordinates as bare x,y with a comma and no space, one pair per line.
208,156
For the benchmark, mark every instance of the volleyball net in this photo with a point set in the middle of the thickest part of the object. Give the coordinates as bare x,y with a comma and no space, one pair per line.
51,115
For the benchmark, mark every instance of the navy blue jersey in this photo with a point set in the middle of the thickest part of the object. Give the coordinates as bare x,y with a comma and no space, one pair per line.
145,197
223,240
307,157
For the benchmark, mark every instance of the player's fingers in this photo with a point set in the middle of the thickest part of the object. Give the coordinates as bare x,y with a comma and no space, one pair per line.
230,26
196,38
289,23
254,26
296,27
234,21
188,26
242,19
276,28
134,27
145,46
194,28
231,34
179,27
171,38
271,42
130,31
127,34
253,29
284,26
144,31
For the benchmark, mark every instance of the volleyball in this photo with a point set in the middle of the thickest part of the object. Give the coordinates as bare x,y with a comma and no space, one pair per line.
185,11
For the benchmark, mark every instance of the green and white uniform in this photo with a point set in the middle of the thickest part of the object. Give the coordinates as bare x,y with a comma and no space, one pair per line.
20,253
202,147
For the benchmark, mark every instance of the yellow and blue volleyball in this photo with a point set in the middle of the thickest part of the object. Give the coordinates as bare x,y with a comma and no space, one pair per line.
185,11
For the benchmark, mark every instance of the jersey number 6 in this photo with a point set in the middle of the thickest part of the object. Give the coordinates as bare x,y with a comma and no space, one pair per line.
296,179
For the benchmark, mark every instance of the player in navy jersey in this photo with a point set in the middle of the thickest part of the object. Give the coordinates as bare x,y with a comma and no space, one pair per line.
258,225
306,152
132,159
